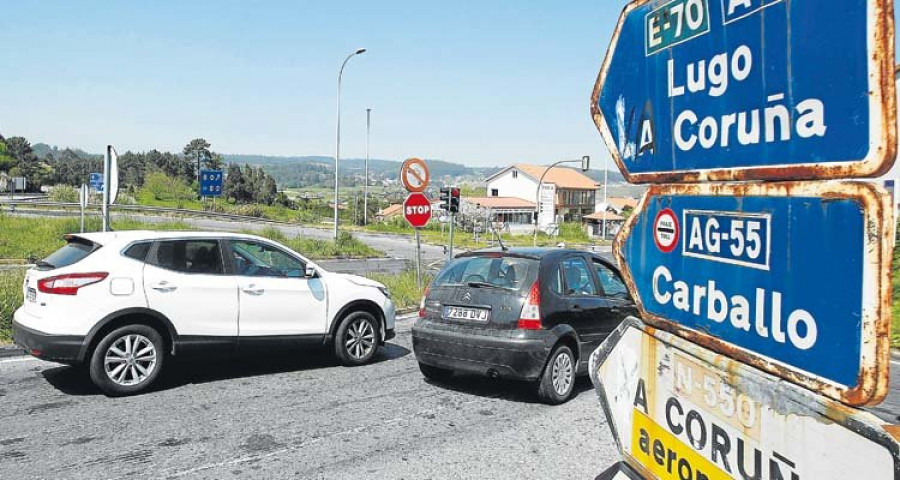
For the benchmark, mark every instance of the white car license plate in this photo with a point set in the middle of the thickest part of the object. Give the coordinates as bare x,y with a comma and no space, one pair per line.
462,313
31,294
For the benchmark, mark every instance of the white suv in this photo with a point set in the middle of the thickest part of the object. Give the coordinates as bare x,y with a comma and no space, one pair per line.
122,302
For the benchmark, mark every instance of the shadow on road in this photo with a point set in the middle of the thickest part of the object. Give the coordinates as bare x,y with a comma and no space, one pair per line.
178,373
511,390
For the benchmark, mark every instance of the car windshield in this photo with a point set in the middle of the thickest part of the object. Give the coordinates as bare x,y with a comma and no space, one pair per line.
487,271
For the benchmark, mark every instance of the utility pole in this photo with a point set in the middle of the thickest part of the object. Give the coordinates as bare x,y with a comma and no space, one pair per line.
366,188
605,182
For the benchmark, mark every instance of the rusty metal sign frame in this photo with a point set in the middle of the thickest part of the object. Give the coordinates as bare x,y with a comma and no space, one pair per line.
872,385
882,147
863,424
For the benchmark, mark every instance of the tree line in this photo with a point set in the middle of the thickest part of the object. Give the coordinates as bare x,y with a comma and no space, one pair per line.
245,184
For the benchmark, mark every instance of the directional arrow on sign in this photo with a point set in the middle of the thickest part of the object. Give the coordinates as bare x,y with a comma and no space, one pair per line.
680,411
694,90
793,278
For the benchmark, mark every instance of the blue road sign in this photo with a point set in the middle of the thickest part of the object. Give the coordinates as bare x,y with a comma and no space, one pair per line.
96,182
695,90
795,275
210,183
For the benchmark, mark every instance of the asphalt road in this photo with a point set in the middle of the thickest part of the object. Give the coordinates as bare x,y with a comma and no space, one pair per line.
300,417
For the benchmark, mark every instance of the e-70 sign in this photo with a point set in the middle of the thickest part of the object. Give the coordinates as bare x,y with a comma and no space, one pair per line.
695,90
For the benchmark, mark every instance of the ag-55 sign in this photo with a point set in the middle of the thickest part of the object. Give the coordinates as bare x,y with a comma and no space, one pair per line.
793,278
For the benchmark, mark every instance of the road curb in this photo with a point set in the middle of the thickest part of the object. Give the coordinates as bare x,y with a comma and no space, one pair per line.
7,351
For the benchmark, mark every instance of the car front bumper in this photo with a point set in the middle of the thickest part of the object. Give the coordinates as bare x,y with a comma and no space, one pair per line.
509,354
56,348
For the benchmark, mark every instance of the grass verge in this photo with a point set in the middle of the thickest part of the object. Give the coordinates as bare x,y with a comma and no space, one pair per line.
10,300
404,291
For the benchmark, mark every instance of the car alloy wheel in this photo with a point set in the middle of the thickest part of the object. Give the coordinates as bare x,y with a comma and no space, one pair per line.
360,338
130,360
562,374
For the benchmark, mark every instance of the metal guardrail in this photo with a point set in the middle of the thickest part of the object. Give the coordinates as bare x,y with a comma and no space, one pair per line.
149,209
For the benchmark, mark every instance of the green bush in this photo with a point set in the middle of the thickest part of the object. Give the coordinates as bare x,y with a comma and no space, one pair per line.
10,300
404,291
160,186
64,194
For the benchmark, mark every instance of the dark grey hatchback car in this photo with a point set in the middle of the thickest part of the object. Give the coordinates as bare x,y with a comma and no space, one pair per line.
525,314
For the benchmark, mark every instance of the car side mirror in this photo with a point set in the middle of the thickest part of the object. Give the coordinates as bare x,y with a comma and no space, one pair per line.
311,271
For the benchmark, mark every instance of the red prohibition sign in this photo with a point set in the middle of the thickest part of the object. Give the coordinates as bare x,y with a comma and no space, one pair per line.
666,230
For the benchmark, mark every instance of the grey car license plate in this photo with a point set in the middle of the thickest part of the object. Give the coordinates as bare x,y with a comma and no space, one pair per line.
466,313
31,294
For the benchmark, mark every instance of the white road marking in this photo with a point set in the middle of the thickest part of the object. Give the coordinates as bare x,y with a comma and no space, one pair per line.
19,359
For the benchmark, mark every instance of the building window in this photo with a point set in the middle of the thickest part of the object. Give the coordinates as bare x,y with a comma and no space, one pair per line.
495,192
515,174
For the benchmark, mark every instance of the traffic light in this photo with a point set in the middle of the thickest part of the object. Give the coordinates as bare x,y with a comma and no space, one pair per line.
454,200
445,198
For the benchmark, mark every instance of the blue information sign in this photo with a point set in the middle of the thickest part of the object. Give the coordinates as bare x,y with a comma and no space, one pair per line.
697,90
794,275
96,182
210,183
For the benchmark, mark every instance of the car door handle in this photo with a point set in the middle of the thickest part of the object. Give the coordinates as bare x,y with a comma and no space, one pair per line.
576,307
252,290
163,287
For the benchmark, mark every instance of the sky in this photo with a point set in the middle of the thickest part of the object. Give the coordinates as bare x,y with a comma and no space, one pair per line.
483,83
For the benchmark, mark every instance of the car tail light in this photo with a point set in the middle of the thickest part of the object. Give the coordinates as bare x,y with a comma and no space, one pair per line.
422,305
69,284
530,318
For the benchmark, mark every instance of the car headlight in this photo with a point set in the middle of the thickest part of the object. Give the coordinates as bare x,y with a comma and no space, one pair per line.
385,291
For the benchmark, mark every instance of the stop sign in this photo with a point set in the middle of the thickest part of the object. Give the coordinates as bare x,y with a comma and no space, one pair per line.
417,209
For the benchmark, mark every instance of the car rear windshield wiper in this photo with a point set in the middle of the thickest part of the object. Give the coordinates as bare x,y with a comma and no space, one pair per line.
44,264
485,284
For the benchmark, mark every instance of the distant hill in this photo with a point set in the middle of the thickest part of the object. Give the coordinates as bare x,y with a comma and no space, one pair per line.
42,150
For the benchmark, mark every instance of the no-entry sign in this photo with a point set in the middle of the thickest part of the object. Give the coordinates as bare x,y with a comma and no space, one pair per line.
414,175
417,210
793,278
695,90
680,411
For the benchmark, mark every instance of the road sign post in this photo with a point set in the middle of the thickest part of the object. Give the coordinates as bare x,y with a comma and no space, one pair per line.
82,202
680,411
414,176
770,302
694,90
417,211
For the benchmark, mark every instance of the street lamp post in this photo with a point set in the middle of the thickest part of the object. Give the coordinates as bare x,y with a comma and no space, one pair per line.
337,148
366,188
585,166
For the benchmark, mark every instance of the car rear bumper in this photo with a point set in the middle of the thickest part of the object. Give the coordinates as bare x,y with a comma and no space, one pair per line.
464,349
56,348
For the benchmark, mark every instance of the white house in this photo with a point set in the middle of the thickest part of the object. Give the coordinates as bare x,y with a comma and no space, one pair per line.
571,193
